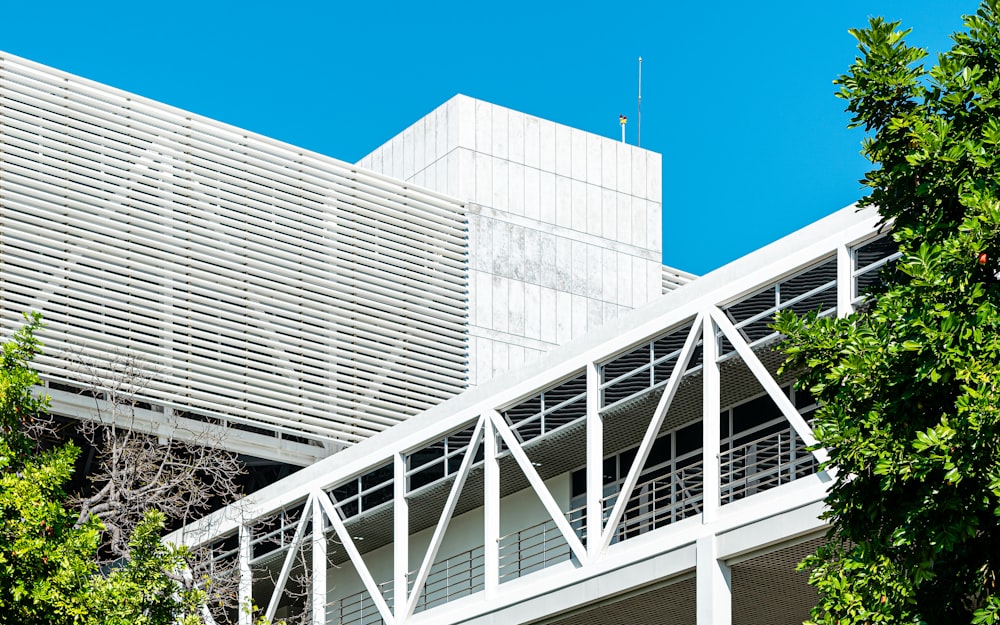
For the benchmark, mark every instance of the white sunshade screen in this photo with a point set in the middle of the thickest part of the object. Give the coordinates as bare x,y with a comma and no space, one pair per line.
265,284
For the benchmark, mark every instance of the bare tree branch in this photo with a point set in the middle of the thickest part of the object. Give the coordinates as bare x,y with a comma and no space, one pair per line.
137,471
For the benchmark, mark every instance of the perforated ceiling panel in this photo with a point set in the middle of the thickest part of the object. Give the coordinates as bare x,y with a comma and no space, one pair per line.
671,604
767,590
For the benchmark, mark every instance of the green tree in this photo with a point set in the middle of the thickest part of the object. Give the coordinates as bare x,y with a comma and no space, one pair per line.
45,561
910,402
48,560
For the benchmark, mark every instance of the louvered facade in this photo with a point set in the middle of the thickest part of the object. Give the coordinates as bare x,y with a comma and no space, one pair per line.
267,287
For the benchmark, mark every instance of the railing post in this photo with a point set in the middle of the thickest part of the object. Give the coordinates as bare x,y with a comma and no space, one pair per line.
401,538
318,592
595,464
491,510
710,421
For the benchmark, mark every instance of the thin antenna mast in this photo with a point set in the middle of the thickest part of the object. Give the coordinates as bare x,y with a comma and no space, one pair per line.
638,136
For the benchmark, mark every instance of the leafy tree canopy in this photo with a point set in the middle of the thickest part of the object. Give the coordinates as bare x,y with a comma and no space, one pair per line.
48,561
910,402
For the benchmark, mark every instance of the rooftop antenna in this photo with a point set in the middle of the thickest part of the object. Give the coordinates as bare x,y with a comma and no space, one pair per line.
638,136
623,120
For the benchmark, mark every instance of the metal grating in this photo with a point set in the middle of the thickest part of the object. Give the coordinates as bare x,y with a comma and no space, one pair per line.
767,590
670,604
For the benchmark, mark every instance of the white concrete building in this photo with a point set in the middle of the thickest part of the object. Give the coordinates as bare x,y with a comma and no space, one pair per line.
564,225
444,334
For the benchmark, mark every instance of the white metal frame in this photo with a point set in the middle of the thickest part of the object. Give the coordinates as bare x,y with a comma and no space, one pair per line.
595,556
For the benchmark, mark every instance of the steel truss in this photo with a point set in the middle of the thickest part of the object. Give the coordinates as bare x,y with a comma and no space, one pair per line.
699,528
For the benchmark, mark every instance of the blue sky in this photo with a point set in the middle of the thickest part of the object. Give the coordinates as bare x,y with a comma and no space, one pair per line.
737,96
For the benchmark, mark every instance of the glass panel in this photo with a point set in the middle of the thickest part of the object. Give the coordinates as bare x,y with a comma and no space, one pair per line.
627,387
751,306
803,399
425,476
689,439
670,343
578,483
376,476
524,410
567,414
808,280
349,508
821,302
660,452
346,491
626,363
529,430
431,453
376,497
754,413
696,356
565,391
663,369
874,251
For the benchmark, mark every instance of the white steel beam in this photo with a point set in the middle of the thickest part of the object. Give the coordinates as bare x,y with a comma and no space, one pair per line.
443,522
710,426
541,490
595,464
764,377
400,537
491,510
352,552
652,430
317,594
286,567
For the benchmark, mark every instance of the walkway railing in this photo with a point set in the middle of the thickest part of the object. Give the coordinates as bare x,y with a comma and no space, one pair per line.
458,576
660,501
764,463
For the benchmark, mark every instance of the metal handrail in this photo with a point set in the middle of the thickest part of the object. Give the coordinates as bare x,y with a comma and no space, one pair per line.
660,501
778,459
654,503
462,574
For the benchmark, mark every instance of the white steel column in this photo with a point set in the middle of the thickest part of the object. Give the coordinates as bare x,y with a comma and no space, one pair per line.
442,525
286,567
713,584
845,281
400,538
541,490
347,543
659,414
491,510
246,577
763,376
710,421
595,464
317,596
